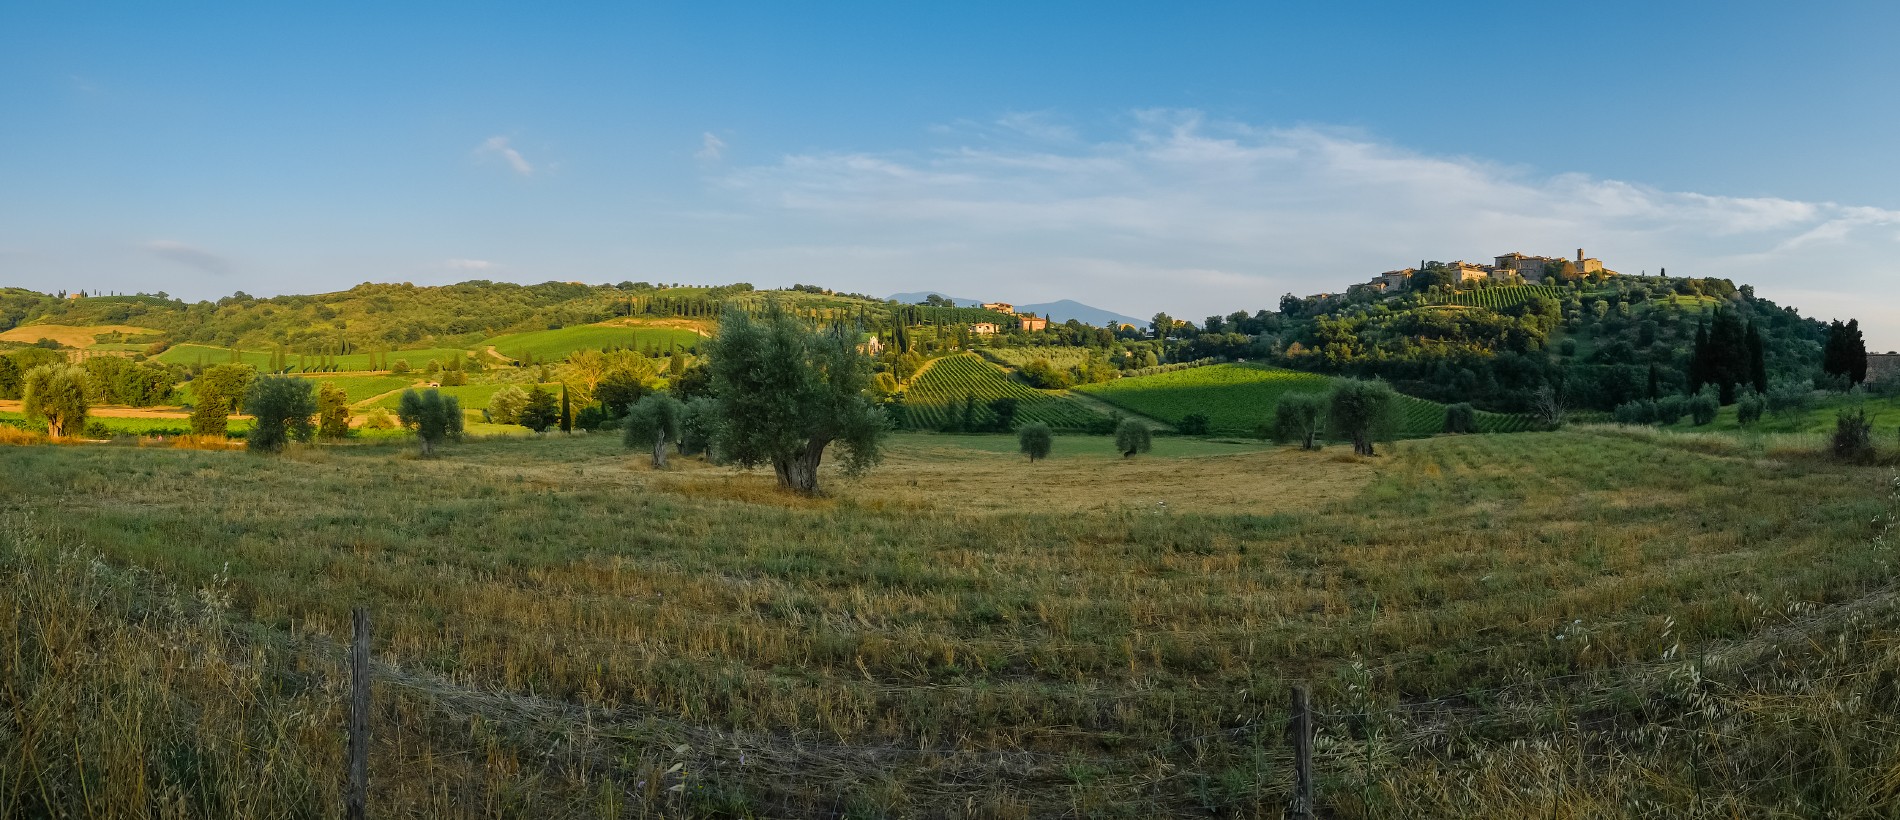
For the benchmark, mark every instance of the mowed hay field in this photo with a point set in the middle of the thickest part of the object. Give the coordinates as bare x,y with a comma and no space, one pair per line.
1576,624
70,335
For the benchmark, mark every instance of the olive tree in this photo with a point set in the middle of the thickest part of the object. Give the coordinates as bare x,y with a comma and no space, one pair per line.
282,406
786,391
1361,411
1296,418
1132,437
506,405
56,394
1035,440
433,416
654,421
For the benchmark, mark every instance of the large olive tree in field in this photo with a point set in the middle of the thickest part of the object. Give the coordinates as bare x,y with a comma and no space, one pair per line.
786,391
433,416
57,394
282,406
1361,411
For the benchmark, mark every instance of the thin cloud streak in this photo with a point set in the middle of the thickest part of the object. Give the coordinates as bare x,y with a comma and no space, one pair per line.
1197,217
190,256
499,146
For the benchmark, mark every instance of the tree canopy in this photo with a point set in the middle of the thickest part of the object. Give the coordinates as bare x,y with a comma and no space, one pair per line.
786,391
283,407
56,394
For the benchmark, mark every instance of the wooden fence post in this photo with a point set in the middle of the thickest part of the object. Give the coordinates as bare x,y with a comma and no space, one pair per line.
1300,727
355,802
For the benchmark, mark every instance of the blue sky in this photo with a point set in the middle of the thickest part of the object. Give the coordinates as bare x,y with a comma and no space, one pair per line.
1193,158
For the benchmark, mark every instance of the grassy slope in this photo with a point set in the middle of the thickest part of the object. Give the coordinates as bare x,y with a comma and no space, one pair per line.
928,398
261,359
553,345
1238,398
572,632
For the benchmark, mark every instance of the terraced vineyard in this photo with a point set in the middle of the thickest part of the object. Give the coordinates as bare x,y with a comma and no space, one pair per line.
930,397
1238,398
1504,297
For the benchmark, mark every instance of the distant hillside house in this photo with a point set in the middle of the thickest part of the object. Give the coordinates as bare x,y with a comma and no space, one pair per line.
1588,266
999,307
871,346
1883,366
1394,279
1529,267
1033,323
1468,272
983,328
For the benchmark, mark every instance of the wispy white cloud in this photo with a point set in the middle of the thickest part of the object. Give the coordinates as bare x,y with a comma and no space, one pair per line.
500,146
191,256
467,264
1196,216
711,147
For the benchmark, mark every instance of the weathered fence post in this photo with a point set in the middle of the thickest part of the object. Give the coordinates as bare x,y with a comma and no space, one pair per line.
355,802
1300,727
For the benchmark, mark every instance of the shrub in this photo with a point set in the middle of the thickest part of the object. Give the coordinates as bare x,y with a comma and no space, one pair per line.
1749,407
333,412
1296,419
1786,397
283,406
1703,407
506,405
1003,413
1671,409
1132,437
1461,418
697,426
1853,436
401,366
378,419
1193,424
1035,441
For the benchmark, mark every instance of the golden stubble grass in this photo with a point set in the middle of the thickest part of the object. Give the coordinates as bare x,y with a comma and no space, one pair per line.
958,632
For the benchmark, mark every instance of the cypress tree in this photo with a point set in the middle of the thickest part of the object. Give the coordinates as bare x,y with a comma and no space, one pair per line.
1854,352
1757,361
1699,359
1655,382
567,415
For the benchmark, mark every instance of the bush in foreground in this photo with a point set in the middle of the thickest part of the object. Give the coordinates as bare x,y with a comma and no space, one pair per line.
1035,441
1132,437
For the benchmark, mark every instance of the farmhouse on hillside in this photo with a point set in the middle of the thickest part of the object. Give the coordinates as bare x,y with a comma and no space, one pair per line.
984,328
1033,323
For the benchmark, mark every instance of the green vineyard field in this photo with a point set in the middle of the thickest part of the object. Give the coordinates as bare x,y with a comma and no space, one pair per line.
1238,398
1504,297
554,345
929,398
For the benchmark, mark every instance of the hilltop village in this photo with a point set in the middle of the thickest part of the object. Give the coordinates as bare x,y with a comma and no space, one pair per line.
1506,269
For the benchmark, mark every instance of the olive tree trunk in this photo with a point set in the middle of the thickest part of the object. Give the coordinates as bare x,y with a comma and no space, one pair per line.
799,472
659,449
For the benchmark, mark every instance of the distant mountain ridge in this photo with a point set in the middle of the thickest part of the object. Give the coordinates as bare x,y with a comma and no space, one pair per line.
1058,311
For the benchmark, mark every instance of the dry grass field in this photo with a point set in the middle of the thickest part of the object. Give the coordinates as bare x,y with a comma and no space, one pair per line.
69,335
1577,624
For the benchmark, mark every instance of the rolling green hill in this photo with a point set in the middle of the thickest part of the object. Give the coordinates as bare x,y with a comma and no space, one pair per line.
1238,398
